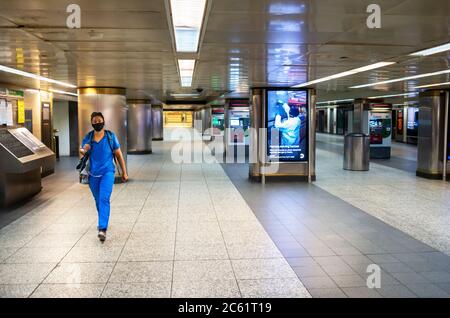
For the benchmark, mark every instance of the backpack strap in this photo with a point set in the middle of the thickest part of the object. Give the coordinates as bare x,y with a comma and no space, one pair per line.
110,141
91,138
109,135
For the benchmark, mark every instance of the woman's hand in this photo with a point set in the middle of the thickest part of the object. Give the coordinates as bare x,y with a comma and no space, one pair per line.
286,108
123,167
85,149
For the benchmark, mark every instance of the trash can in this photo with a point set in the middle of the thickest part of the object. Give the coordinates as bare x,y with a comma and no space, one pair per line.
356,152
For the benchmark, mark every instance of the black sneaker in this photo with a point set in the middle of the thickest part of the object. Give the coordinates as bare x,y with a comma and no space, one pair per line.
102,235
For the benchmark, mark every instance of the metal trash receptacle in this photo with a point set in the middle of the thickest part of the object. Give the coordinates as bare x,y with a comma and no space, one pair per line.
356,152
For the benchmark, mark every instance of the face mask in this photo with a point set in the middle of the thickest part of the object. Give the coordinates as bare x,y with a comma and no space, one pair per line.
98,127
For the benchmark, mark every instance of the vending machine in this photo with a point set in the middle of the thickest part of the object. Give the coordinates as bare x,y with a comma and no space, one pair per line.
237,124
218,122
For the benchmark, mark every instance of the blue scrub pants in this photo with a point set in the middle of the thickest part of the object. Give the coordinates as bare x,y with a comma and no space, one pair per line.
101,188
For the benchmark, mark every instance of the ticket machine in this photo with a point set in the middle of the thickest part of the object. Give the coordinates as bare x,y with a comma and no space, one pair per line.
22,160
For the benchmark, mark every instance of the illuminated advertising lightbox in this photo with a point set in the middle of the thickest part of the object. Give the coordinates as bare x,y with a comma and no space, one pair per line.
413,121
287,125
448,135
380,129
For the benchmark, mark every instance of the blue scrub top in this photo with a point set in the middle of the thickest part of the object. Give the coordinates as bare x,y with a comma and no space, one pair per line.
101,157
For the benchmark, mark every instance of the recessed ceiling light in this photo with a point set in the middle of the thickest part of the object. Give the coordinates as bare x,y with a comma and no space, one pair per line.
433,50
403,79
347,73
186,68
34,76
187,18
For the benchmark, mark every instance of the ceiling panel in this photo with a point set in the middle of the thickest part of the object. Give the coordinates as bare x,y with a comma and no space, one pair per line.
246,43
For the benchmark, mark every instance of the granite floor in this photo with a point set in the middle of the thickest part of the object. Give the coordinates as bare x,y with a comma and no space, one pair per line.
330,243
176,230
417,206
205,230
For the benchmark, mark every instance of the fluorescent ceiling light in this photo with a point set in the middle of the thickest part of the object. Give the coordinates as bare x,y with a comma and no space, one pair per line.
395,95
406,103
403,79
347,73
432,85
187,17
186,68
63,92
336,101
185,95
31,75
433,50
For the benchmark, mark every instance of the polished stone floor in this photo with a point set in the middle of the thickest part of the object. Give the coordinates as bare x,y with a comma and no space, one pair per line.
177,230
417,206
205,230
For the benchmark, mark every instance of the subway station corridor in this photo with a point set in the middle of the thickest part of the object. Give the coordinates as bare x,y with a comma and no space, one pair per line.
224,156
177,230
204,230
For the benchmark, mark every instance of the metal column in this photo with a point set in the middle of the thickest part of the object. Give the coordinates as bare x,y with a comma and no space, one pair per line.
432,134
111,102
139,127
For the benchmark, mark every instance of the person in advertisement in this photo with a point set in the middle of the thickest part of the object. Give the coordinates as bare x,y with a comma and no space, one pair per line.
288,122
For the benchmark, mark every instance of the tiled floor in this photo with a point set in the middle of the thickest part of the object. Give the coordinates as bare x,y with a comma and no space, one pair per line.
417,206
403,156
332,230
205,230
177,230
329,243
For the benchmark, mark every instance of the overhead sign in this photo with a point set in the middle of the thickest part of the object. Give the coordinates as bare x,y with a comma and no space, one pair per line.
238,103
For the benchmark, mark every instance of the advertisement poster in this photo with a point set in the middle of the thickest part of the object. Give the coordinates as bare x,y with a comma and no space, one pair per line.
287,125
9,114
45,111
20,112
3,111
448,135
380,129
400,122
413,121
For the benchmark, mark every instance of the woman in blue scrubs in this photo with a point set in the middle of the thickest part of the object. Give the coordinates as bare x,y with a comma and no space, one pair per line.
102,146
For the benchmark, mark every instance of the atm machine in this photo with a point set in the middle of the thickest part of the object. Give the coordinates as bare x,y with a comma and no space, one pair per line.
22,159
